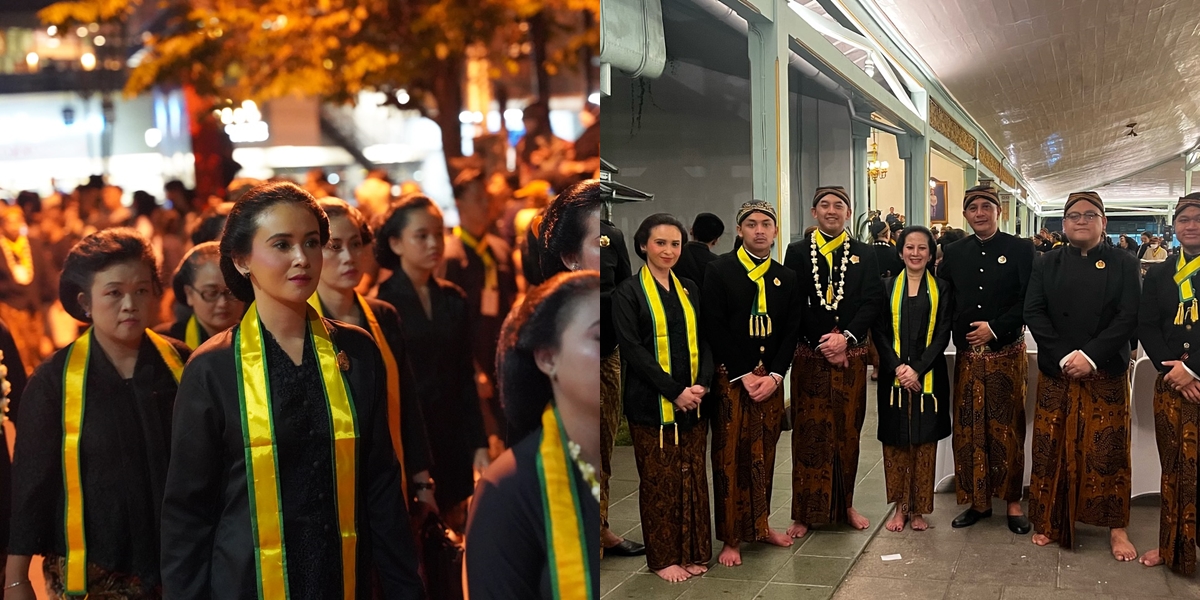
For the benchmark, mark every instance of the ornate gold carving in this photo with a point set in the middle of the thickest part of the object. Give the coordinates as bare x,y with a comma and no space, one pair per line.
1008,178
991,162
943,123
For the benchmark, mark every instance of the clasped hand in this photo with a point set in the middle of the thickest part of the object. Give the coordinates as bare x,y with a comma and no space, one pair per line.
1180,380
833,348
909,379
690,397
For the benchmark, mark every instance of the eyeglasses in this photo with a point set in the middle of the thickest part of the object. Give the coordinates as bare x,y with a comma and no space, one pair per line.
1087,217
211,296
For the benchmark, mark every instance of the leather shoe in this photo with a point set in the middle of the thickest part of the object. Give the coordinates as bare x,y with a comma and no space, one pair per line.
1019,524
625,548
970,517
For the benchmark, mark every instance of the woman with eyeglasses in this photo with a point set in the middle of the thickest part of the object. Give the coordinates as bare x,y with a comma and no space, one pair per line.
349,246
91,461
198,283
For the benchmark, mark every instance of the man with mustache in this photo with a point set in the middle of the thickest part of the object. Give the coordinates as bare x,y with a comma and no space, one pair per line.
843,294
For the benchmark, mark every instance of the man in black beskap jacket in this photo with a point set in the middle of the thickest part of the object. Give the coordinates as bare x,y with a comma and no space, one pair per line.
1169,329
751,318
987,274
843,294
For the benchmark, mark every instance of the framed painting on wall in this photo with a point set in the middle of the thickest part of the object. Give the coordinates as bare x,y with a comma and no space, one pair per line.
937,202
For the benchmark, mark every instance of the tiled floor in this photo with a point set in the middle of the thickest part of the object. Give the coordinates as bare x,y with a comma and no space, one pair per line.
985,561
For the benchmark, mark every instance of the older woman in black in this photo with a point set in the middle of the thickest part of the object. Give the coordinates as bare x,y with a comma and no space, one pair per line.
434,313
91,461
349,241
537,509
914,389
198,283
283,482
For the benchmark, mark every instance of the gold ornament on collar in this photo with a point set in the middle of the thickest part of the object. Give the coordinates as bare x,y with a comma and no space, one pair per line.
776,282
343,362
1099,264
1002,259
604,241
854,259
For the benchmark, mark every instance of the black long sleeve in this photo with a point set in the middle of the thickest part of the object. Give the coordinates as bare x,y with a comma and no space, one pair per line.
715,322
1009,322
192,500
625,318
1037,317
936,350
1123,325
1150,323
873,299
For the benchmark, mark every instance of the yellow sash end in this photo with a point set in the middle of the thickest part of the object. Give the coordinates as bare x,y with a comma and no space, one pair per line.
1179,315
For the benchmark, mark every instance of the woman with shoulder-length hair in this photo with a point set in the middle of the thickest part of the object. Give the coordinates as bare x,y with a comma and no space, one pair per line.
91,460
914,387
536,511
283,482
198,283
668,370
434,311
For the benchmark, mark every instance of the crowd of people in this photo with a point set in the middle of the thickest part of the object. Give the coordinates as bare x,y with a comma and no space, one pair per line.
708,349
280,394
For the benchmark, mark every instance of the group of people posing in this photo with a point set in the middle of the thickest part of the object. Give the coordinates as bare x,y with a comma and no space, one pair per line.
715,356
282,441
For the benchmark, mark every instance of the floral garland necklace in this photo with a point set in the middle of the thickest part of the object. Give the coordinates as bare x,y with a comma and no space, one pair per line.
837,295
19,257
585,468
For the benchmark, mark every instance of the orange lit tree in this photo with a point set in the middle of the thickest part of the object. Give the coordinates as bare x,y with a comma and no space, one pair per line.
332,49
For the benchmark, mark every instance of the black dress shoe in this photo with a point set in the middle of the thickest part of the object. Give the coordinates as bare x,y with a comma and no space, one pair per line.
626,548
1019,524
970,517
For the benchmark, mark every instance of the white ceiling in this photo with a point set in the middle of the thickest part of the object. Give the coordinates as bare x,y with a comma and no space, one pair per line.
1054,83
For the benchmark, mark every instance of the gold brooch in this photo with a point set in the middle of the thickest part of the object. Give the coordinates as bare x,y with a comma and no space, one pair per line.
604,241
1001,260
343,361
854,259
776,282
1099,264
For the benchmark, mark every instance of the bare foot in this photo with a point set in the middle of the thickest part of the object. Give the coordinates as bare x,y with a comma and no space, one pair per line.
730,556
1122,548
1014,509
896,523
797,530
696,568
918,523
1040,539
609,539
856,520
1152,558
674,574
776,538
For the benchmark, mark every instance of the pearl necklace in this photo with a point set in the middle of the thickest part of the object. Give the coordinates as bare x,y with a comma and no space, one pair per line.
841,284
585,468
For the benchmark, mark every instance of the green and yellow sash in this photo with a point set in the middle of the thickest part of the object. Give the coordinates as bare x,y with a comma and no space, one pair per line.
1183,278
827,247
662,342
393,378
262,476
490,278
899,291
192,335
760,321
566,540
74,400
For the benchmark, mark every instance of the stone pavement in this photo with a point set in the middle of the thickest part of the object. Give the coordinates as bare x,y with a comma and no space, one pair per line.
986,561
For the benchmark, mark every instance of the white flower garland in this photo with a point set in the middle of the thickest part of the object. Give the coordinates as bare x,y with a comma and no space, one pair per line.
585,468
841,284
